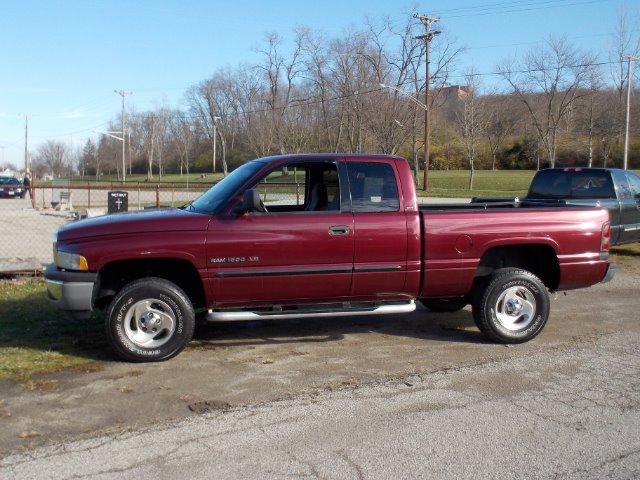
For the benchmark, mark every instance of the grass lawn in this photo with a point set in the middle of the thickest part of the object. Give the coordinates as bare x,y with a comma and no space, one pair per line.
486,183
36,338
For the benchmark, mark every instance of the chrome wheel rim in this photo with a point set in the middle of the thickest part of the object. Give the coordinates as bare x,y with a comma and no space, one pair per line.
149,323
515,308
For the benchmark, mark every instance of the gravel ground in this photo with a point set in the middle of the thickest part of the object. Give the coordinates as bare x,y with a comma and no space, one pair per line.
572,414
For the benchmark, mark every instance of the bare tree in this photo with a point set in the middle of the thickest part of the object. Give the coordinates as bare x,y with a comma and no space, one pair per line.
162,126
502,118
389,114
626,40
316,57
280,74
54,155
252,113
199,98
588,113
145,137
472,123
548,83
182,133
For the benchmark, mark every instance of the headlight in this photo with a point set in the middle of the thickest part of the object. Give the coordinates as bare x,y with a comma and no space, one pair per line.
70,261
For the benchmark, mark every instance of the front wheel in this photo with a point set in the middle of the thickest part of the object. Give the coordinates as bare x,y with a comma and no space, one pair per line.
512,307
149,320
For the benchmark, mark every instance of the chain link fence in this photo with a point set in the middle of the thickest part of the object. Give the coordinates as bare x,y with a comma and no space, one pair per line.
60,194
28,224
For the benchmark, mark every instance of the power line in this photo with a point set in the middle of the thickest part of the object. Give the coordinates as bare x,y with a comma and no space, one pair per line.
513,7
540,70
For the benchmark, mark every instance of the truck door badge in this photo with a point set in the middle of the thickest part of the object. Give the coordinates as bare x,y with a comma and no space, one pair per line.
234,259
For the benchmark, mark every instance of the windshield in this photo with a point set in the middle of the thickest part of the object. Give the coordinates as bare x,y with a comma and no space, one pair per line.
213,198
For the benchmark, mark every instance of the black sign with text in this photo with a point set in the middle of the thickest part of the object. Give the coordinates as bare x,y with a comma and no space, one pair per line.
117,201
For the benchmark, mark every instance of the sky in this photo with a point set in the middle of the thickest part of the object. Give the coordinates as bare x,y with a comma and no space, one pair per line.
62,60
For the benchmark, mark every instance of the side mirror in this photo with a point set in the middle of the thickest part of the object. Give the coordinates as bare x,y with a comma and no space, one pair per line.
250,203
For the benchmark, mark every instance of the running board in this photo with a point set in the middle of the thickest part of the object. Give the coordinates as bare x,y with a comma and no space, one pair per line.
232,316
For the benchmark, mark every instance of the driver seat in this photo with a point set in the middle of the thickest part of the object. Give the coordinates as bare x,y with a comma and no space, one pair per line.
319,198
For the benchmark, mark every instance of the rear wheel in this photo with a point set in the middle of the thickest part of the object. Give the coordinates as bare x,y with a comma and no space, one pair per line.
512,307
149,320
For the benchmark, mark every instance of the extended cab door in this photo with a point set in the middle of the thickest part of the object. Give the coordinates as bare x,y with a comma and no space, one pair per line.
299,250
380,262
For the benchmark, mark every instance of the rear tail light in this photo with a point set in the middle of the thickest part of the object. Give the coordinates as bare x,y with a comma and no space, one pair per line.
605,241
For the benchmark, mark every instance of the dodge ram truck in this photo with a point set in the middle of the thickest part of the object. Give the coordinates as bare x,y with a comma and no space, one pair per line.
352,240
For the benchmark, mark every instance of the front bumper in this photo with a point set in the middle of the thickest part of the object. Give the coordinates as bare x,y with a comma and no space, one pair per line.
71,292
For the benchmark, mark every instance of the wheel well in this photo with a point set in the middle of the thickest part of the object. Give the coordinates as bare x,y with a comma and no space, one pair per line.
541,260
115,275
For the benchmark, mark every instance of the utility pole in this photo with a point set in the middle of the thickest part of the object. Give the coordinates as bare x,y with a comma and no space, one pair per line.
123,94
428,35
631,59
26,136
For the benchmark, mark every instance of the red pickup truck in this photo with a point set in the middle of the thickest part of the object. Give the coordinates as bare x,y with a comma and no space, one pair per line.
351,241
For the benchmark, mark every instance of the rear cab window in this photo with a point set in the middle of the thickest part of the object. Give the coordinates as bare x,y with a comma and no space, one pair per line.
571,184
374,187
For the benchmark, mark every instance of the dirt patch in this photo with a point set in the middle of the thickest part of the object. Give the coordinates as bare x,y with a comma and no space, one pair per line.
208,406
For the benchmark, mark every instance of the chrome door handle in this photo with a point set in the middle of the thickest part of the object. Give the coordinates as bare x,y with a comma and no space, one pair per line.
339,230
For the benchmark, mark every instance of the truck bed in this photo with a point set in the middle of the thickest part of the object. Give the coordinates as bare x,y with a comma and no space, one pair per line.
459,238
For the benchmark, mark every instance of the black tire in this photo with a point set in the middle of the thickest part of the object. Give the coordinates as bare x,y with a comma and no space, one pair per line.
149,320
512,306
444,304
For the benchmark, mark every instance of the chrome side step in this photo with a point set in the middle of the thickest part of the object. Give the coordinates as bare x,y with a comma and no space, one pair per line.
231,316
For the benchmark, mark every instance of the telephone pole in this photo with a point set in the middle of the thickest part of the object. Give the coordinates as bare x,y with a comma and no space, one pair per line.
26,139
123,94
631,59
428,35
